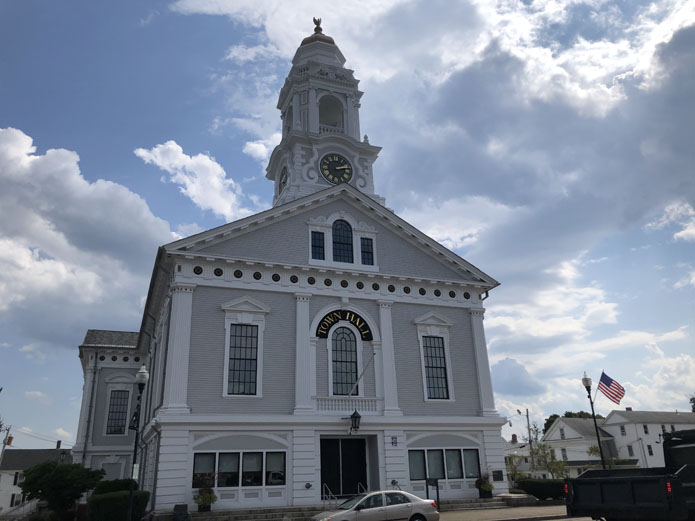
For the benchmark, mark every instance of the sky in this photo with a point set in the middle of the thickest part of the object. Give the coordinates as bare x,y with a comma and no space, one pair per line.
551,143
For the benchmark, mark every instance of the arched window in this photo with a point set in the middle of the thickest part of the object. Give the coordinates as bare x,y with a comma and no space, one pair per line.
342,241
331,113
344,361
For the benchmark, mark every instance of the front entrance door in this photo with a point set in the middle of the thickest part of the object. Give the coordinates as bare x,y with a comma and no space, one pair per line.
343,466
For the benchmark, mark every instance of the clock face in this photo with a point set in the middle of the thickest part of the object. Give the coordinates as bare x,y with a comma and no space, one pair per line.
335,169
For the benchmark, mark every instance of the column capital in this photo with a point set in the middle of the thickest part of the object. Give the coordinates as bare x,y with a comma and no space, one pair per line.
384,303
181,287
476,311
302,297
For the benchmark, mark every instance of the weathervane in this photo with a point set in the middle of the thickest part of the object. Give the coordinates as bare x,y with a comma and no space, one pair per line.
317,23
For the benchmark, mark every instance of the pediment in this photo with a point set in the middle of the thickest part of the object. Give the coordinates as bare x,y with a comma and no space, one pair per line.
255,238
432,319
245,305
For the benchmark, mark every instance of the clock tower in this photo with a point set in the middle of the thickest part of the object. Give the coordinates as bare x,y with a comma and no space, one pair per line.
320,110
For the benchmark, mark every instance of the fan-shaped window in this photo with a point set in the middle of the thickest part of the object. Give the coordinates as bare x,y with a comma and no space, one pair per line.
344,361
330,112
342,241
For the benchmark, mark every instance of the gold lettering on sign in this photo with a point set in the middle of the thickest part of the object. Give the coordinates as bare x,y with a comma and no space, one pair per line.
348,316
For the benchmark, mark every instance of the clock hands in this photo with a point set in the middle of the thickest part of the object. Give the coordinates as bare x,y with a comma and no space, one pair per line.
344,167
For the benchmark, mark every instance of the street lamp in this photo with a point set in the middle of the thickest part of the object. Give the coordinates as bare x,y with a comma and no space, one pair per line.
586,382
141,379
355,419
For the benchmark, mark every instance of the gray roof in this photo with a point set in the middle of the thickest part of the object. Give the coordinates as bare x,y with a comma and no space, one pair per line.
657,417
103,338
585,427
22,459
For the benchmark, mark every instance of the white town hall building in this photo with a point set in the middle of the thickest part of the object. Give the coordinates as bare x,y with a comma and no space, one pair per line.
263,336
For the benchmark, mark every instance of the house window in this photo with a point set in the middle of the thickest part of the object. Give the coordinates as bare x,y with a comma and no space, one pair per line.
646,429
525,460
622,430
344,361
562,433
435,368
367,248
673,428
118,412
649,450
663,428
342,241
253,471
243,357
317,246
203,470
18,478
564,454
438,463
630,451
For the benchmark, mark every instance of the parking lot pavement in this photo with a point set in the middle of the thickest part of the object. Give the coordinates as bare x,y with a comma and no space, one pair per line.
544,513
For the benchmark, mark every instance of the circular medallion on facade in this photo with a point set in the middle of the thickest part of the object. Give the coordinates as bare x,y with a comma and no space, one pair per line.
197,270
218,272
437,293
335,169
311,280
294,279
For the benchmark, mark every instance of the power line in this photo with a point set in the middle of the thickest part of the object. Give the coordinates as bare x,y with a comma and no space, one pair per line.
38,435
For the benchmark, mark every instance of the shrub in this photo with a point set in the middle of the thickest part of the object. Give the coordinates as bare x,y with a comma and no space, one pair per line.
543,488
114,485
113,506
516,491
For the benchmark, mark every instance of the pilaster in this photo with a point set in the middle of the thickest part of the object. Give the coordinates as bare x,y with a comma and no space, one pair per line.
178,350
313,112
487,400
388,360
303,366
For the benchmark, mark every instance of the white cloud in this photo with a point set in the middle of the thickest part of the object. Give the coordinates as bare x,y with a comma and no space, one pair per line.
680,213
200,178
687,280
63,240
244,53
63,433
458,223
38,396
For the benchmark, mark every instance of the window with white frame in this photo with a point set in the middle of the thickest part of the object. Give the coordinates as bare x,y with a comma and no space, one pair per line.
564,454
433,336
243,362
341,239
650,450
344,346
117,418
253,468
630,451
646,428
562,433
443,464
622,430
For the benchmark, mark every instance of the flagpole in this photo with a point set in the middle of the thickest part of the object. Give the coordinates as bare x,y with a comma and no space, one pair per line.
596,393
586,382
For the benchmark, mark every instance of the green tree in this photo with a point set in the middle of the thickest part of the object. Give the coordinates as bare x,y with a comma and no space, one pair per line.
60,485
544,457
692,402
513,462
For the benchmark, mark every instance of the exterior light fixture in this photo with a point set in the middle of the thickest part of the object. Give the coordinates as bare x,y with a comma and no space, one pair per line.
355,419
586,382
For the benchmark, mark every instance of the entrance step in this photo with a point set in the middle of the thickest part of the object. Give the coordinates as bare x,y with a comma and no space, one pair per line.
448,505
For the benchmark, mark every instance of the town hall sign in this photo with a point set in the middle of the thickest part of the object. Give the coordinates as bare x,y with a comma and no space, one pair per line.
349,316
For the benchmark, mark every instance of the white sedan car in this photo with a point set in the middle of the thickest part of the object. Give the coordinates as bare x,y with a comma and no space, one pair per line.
383,505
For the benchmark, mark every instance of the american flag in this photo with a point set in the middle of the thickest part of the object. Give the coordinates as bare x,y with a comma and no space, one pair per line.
611,388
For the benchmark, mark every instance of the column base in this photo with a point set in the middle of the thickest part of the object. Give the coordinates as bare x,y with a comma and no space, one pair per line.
395,411
303,410
488,412
174,410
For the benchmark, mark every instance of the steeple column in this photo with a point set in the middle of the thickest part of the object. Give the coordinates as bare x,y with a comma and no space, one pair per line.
313,112
295,112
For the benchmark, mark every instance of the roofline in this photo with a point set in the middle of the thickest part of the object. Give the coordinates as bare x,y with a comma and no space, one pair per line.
486,281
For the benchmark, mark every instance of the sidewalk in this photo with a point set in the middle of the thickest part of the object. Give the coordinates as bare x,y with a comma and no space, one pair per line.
508,514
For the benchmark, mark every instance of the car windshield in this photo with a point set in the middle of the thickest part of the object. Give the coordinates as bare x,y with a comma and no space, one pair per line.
351,502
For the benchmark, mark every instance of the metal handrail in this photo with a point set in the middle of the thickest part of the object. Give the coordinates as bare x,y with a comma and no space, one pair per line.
328,496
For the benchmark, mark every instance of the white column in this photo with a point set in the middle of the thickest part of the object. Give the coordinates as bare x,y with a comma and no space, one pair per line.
487,399
349,113
388,359
87,400
176,383
313,112
303,368
296,116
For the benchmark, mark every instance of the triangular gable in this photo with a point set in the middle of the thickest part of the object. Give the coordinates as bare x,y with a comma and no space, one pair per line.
246,305
362,202
432,319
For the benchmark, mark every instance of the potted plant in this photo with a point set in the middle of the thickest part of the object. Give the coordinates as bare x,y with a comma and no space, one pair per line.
484,486
204,498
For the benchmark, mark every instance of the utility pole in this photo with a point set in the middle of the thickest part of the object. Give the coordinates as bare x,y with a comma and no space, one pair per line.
530,439
7,440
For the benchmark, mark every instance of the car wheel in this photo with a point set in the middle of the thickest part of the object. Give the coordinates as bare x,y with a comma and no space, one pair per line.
417,517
